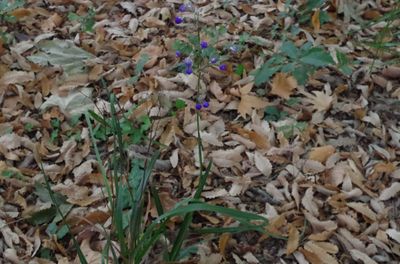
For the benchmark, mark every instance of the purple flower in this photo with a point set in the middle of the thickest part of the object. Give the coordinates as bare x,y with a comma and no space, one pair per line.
188,62
213,60
178,53
198,106
204,44
234,48
188,70
182,8
223,67
205,104
178,20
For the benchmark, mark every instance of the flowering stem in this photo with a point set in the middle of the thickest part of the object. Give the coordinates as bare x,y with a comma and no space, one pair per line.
176,248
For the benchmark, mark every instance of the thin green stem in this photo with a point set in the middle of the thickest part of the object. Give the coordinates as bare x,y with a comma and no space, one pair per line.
189,216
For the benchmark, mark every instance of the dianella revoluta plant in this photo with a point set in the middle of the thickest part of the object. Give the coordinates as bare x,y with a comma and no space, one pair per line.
195,55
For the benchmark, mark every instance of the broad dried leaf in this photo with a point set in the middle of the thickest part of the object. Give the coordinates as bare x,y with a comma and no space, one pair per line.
363,209
394,234
321,154
320,252
75,103
390,192
320,101
293,240
283,85
250,102
263,164
14,77
358,255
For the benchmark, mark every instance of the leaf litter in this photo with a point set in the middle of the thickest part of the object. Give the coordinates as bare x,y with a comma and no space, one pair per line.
326,174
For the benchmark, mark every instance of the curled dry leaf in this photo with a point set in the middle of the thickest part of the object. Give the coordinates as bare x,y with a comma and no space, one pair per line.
308,202
227,158
263,164
321,154
14,77
394,234
358,255
363,209
318,225
390,192
293,240
321,252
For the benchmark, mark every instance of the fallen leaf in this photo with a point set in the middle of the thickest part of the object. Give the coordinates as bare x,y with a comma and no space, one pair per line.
249,102
75,103
363,209
321,154
315,20
293,240
394,234
390,192
358,255
222,242
320,252
283,85
262,164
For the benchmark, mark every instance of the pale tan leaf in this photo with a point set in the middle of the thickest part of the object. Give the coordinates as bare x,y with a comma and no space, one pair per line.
328,247
363,209
274,192
322,254
320,101
390,192
315,20
394,234
174,158
249,102
318,225
349,222
262,164
227,158
283,85
308,202
223,240
14,77
321,154
358,255
251,259
220,192
293,240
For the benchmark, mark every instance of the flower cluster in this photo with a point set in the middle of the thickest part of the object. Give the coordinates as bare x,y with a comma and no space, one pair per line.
199,106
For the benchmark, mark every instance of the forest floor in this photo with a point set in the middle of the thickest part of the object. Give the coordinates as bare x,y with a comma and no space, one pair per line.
302,127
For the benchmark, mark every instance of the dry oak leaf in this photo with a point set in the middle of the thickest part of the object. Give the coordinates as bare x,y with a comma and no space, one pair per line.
322,252
262,164
321,154
358,255
293,240
14,77
394,234
248,102
390,192
320,101
363,209
315,20
283,85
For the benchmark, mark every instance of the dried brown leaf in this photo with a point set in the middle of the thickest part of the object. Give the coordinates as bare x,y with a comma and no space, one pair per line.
293,240
321,154
283,85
